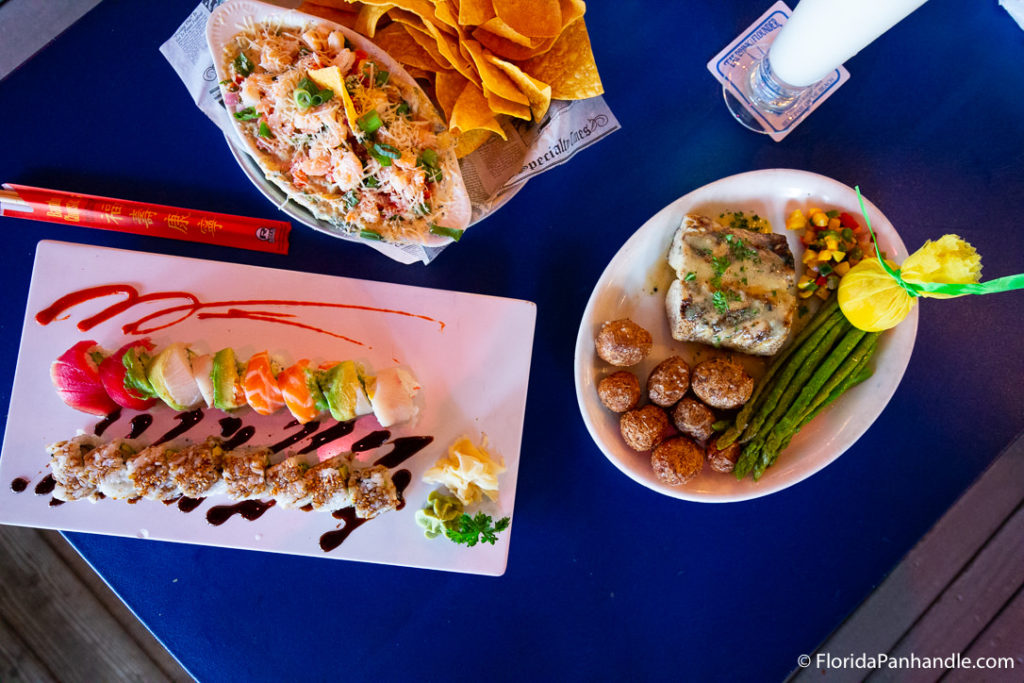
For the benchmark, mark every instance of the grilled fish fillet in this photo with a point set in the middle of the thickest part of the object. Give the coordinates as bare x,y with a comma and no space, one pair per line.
734,288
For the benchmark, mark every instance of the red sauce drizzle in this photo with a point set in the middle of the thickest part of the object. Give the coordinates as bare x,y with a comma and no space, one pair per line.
172,315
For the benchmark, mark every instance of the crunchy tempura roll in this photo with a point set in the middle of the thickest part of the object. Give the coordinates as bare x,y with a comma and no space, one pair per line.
372,491
244,471
107,469
150,472
328,484
286,482
195,469
67,464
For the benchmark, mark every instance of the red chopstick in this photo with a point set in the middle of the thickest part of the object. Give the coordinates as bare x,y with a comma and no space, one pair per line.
141,218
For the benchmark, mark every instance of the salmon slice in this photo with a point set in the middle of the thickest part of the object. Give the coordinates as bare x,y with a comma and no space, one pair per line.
297,391
262,391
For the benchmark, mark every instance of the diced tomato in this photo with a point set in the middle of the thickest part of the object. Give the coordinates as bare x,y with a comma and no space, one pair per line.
848,221
821,281
299,177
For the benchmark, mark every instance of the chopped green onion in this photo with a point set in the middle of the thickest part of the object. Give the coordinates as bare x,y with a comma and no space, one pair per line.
247,114
386,150
402,109
690,276
326,94
421,209
243,65
381,78
307,85
370,181
302,98
351,198
446,232
265,130
428,157
434,175
369,122
370,235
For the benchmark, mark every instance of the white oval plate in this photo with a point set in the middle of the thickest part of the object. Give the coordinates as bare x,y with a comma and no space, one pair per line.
627,289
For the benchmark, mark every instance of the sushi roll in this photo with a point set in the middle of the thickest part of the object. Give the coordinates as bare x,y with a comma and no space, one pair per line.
343,387
327,484
114,373
170,375
226,377
262,392
301,392
244,471
392,393
67,465
195,469
372,492
150,472
76,376
286,482
108,469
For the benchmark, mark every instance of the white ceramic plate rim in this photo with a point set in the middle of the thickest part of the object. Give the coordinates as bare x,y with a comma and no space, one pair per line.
798,188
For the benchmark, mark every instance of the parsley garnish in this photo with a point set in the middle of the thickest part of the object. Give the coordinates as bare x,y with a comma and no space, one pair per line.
247,114
243,65
471,530
719,264
721,299
690,277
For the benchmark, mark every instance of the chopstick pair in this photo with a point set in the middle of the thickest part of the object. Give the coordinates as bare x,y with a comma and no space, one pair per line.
141,218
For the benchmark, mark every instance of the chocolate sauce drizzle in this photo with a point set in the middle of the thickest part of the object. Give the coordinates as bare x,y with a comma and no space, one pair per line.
19,484
249,509
139,424
188,421
229,425
240,437
298,436
186,504
371,441
102,425
56,503
403,449
328,435
45,487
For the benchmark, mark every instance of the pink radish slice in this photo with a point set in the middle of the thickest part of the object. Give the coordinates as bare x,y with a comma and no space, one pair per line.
76,376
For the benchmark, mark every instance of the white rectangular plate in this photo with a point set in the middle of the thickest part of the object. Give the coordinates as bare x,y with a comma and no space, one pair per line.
470,353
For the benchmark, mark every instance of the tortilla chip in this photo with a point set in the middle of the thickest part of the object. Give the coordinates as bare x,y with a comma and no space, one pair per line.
449,48
571,11
446,14
330,77
534,18
537,92
506,49
568,66
448,86
499,105
397,42
500,28
346,19
471,112
369,15
493,78
470,141
475,12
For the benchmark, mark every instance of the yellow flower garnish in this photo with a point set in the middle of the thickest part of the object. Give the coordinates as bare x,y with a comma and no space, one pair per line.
949,259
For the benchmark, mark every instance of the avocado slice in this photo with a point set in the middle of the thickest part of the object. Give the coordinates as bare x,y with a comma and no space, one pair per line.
342,386
170,375
227,381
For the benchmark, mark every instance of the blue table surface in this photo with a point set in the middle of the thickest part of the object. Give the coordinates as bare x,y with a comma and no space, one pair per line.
605,578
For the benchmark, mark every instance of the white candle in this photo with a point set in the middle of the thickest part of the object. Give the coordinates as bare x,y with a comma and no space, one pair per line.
822,34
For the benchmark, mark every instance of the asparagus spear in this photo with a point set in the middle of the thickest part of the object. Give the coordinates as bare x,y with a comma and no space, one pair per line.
734,432
863,352
809,392
752,435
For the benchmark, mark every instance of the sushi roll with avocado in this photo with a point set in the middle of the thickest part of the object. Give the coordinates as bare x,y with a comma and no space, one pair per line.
170,376
226,380
262,392
392,395
343,385
301,392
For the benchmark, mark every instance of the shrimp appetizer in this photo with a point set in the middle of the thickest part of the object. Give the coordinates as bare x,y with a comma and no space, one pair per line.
343,130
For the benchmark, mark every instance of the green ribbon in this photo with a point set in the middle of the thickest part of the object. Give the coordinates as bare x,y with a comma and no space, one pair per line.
914,289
